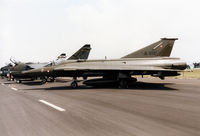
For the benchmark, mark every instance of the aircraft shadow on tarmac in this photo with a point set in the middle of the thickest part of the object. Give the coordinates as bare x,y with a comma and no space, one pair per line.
138,86
9,83
33,83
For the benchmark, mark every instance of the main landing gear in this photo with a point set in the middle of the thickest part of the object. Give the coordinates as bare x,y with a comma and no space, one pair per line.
44,80
74,83
124,83
47,79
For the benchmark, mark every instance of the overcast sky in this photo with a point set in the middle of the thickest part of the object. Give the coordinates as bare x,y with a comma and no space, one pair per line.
40,30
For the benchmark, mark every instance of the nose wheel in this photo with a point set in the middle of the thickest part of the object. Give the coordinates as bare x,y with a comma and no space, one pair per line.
74,84
44,80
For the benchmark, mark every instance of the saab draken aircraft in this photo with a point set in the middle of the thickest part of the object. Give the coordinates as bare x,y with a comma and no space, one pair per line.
19,68
152,60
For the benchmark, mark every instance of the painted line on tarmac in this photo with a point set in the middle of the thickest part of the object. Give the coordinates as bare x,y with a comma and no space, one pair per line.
52,105
2,84
15,89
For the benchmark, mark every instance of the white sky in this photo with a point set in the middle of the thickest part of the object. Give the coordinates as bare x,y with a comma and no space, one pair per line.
40,30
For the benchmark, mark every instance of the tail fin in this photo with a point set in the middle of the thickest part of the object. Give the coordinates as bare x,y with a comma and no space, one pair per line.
62,56
82,53
161,48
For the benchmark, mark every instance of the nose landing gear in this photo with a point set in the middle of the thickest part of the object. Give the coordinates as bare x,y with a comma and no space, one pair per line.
74,84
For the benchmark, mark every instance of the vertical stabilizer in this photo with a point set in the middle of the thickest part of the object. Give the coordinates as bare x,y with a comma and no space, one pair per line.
82,53
161,48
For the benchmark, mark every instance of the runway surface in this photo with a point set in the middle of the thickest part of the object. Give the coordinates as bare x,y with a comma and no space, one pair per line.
150,108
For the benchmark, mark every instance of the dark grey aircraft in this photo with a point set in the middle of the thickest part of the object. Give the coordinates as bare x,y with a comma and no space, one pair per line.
5,70
17,70
153,61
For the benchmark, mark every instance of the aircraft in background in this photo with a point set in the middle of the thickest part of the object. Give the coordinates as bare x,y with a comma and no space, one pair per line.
152,60
19,68
6,70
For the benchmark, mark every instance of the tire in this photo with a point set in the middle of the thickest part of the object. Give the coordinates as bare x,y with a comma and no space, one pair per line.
84,78
44,81
123,84
52,79
74,84
18,81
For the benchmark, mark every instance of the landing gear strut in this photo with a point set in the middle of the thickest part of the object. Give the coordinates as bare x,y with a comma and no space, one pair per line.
162,77
126,82
123,83
18,81
51,79
74,83
44,80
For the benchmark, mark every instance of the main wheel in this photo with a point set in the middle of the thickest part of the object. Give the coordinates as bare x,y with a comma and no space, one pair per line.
123,84
84,78
44,80
18,81
52,79
74,84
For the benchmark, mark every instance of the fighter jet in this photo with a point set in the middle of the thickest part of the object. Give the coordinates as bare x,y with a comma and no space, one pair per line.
120,71
19,68
5,71
16,70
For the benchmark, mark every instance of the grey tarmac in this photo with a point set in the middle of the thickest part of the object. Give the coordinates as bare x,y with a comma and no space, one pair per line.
151,107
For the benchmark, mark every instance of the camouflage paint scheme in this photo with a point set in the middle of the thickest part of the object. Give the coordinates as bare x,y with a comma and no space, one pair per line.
17,70
155,64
